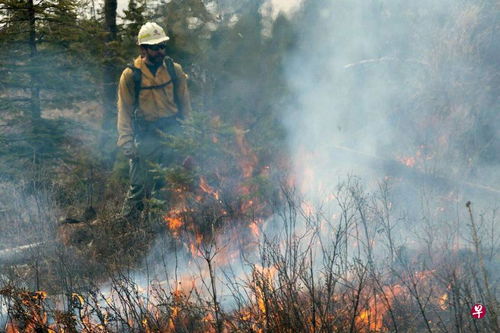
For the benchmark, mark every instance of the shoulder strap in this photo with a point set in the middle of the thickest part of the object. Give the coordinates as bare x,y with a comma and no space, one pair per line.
169,62
175,80
137,77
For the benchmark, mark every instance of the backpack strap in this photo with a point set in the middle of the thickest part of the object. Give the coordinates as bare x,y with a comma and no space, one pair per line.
137,78
159,86
175,79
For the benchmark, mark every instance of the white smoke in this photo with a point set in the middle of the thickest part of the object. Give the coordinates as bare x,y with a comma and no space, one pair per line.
353,74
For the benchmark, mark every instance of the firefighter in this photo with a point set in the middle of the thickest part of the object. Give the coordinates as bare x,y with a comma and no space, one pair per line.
152,97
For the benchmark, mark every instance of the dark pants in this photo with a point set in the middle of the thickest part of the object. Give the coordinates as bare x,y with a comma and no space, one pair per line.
152,150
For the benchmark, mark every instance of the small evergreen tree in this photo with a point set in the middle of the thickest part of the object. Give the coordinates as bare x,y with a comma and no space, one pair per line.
134,18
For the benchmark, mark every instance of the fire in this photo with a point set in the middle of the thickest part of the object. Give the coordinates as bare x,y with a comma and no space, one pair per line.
194,229
421,155
40,295
252,318
194,246
173,223
408,161
364,315
443,302
245,315
195,250
207,188
254,228
249,159
145,325
372,317
263,279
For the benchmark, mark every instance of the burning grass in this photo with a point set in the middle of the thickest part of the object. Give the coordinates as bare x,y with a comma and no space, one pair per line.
304,268
229,255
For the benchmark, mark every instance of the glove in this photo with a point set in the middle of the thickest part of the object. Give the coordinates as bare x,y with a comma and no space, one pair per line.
129,150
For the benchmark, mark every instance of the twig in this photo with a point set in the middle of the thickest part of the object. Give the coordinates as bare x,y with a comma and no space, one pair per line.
477,246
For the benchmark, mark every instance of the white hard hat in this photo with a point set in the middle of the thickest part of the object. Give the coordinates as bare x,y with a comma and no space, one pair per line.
150,34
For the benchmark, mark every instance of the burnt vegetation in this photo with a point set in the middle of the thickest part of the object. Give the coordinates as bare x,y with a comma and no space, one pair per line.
242,241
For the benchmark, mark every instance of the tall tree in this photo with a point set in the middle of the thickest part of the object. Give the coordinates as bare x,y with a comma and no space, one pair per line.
34,82
109,84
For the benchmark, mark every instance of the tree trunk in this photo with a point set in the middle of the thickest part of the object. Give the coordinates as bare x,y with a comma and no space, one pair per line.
110,7
34,87
108,138
35,110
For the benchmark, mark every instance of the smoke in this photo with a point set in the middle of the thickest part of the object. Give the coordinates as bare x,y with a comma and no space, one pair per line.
383,84
377,94
27,215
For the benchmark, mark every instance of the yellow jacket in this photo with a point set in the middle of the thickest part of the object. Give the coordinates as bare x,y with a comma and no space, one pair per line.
153,103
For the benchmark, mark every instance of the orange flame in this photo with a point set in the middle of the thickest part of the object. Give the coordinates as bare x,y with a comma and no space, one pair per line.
207,188
371,318
249,158
173,223
443,302
194,247
254,228
408,161
263,279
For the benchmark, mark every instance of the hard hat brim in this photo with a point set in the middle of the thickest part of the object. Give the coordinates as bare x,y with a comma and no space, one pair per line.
155,41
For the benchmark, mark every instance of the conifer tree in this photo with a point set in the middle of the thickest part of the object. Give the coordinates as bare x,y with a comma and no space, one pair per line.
134,17
110,68
41,67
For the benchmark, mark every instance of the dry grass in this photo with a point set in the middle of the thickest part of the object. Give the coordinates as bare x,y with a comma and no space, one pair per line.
309,271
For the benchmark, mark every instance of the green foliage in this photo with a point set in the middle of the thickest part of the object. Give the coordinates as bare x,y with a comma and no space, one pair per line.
43,67
46,55
208,142
133,20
